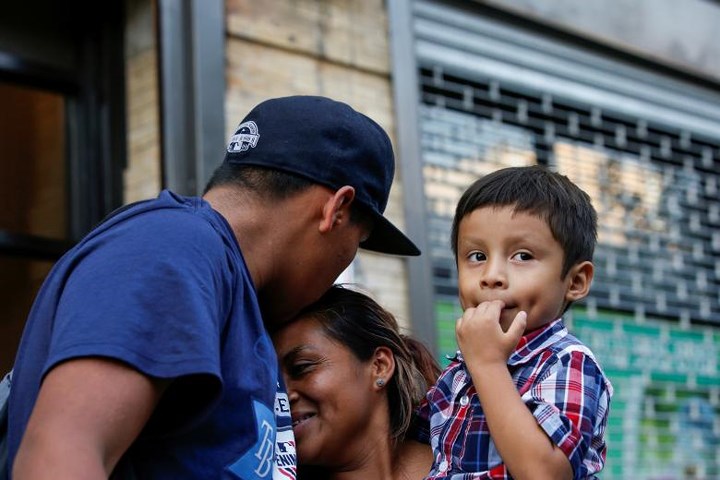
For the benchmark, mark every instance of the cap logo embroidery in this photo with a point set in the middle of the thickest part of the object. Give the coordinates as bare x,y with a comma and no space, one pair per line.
246,136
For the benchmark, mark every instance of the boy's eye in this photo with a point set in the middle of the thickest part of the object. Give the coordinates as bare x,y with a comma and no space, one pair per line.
523,256
476,257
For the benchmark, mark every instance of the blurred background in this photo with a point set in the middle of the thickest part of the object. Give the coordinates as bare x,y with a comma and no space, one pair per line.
105,103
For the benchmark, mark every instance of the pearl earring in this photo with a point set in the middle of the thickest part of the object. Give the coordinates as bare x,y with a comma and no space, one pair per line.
380,382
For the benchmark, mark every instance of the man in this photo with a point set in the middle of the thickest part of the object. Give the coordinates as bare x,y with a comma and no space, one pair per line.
146,352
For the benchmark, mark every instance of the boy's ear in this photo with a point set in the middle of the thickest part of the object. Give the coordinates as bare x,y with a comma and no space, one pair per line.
580,277
337,208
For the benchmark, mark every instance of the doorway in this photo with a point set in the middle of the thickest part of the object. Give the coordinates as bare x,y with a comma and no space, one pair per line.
61,141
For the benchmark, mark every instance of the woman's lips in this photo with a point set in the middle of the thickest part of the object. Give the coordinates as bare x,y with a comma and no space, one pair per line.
301,418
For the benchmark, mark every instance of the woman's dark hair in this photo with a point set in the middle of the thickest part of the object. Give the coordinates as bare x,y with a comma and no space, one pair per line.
536,190
360,324
424,360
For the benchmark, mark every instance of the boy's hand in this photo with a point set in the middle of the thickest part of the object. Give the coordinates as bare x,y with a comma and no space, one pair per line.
481,338
525,448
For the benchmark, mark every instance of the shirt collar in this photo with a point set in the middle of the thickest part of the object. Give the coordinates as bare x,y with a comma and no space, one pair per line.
537,341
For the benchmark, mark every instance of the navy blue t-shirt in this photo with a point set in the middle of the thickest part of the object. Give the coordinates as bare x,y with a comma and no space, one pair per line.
163,287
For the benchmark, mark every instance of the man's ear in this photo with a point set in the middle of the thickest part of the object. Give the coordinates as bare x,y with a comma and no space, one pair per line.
337,208
580,278
383,367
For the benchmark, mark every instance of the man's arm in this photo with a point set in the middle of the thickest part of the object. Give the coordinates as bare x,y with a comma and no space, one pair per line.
87,414
528,453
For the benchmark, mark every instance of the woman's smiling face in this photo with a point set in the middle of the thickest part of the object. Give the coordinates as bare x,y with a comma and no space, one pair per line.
330,392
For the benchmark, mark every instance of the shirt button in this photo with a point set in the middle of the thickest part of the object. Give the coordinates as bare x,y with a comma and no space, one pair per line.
443,466
464,400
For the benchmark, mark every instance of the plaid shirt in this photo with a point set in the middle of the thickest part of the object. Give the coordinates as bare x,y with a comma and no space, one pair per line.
559,381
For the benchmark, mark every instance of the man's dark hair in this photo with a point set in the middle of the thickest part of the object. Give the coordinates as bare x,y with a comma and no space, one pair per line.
273,185
538,191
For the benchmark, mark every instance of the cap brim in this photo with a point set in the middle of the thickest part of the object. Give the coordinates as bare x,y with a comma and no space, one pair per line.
386,238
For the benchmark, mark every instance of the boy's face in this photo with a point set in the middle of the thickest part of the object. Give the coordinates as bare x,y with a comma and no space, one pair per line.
513,257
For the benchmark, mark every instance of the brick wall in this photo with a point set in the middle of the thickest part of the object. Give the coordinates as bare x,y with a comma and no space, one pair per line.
337,49
142,177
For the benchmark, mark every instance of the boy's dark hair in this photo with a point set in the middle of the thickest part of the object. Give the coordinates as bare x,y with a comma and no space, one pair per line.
273,185
538,191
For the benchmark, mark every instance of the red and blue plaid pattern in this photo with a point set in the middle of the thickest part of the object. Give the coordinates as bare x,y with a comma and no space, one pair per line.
560,382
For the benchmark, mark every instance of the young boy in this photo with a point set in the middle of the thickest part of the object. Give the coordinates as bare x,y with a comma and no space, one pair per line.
523,398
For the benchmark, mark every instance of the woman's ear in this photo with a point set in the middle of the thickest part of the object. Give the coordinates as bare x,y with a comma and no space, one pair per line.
383,367
580,278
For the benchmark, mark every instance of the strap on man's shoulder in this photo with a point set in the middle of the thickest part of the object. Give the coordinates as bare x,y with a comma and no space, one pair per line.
5,385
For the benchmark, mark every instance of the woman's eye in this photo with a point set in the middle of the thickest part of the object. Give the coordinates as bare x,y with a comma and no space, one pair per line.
298,369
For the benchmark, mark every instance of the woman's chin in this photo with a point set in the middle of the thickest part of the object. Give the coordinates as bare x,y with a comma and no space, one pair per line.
310,455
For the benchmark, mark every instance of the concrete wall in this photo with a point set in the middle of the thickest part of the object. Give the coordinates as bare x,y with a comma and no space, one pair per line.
683,34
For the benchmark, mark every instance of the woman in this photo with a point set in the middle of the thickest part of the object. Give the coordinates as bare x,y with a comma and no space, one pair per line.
353,381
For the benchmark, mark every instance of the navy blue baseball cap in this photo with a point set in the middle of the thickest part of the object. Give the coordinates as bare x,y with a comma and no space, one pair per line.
329,143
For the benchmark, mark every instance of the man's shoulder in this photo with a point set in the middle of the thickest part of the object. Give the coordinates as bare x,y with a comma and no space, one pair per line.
166,204
169,216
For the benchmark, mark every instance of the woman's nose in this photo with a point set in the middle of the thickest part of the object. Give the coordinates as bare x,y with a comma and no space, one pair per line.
292,393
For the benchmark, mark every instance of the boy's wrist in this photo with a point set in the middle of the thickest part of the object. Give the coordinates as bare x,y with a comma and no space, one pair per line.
486,362
483,373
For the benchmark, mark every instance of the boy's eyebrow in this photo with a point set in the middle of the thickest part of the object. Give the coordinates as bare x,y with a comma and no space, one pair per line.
524,236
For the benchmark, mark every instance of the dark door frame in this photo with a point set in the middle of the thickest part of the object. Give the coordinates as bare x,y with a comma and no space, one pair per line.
74,49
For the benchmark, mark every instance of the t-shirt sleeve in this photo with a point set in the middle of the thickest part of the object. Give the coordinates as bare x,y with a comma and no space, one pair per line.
570,402
148,292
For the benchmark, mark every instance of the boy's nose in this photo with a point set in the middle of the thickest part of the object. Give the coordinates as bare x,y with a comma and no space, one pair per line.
492,282
493,276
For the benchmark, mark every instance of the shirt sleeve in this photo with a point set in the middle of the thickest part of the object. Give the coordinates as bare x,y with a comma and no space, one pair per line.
147,292
570,403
